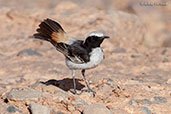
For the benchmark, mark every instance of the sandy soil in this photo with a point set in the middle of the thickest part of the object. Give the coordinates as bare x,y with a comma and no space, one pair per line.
137,57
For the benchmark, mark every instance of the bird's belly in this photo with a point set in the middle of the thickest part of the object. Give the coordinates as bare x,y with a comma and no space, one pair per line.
95,59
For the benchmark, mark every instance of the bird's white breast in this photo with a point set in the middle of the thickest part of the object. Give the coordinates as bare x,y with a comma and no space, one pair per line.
96,56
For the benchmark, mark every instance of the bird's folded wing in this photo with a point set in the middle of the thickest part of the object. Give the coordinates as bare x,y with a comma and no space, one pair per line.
75,54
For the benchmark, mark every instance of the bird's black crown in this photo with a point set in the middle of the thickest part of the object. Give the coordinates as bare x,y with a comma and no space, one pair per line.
95,39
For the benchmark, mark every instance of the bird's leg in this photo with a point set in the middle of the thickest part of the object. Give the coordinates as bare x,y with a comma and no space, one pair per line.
73,75
89,89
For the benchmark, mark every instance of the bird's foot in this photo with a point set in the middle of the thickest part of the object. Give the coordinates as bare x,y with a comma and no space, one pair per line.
73,91
91,90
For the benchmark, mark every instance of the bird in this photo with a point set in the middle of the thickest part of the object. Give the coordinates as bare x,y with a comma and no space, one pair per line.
79,54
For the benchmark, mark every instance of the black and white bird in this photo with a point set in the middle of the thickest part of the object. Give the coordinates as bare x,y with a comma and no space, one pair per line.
80,55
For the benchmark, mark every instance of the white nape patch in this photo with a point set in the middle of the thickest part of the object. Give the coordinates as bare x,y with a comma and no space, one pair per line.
98,34
96,56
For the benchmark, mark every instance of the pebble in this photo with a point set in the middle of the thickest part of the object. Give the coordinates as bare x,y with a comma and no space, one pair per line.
29,52
137,55
146,110
96,109
158,99
13,109
39,109
119,111
146,101
60,96
60,112
119,50
133,102
9,109
169,81
24,94
139,101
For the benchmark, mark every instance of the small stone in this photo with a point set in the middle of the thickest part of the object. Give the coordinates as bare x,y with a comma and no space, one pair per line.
29,52
133,102
12,109
146,110
9,109
78,103
23,94
119,50
146,101
158,99
119,111
167,42
39,109
60,96
110,82
137,55
59,112
96,109
70,108
169,81
139,101
105,90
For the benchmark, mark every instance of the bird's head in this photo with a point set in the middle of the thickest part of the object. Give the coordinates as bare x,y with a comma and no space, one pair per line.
94,39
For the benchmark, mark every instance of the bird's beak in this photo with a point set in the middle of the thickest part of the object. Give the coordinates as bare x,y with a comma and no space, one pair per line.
106,37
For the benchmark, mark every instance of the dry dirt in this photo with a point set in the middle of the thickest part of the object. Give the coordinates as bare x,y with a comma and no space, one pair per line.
137,57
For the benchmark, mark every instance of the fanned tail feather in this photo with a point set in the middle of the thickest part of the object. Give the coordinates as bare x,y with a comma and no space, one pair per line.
50,30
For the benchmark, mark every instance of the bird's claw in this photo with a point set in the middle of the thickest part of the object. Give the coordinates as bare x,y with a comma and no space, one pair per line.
73,91
91,90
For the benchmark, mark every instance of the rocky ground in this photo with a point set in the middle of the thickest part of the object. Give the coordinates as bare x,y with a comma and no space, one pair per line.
134,78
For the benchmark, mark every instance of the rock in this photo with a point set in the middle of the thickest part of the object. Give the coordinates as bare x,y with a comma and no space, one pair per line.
96,109
146,110
59,94
60,112
8,109
45,88
169,81
167,42
137,55
127,63
12,109
39,109
23,94
133,102
78,103
105,90
139,101
119,50
29,52
158,99
119,111
146,101
70,108
62,6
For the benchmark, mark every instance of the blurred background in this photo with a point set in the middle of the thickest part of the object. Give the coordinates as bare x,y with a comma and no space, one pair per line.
130,23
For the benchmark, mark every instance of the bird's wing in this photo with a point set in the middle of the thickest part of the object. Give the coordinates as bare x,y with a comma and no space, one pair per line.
76,54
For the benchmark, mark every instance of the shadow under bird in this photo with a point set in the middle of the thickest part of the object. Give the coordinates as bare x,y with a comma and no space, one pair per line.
80,54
